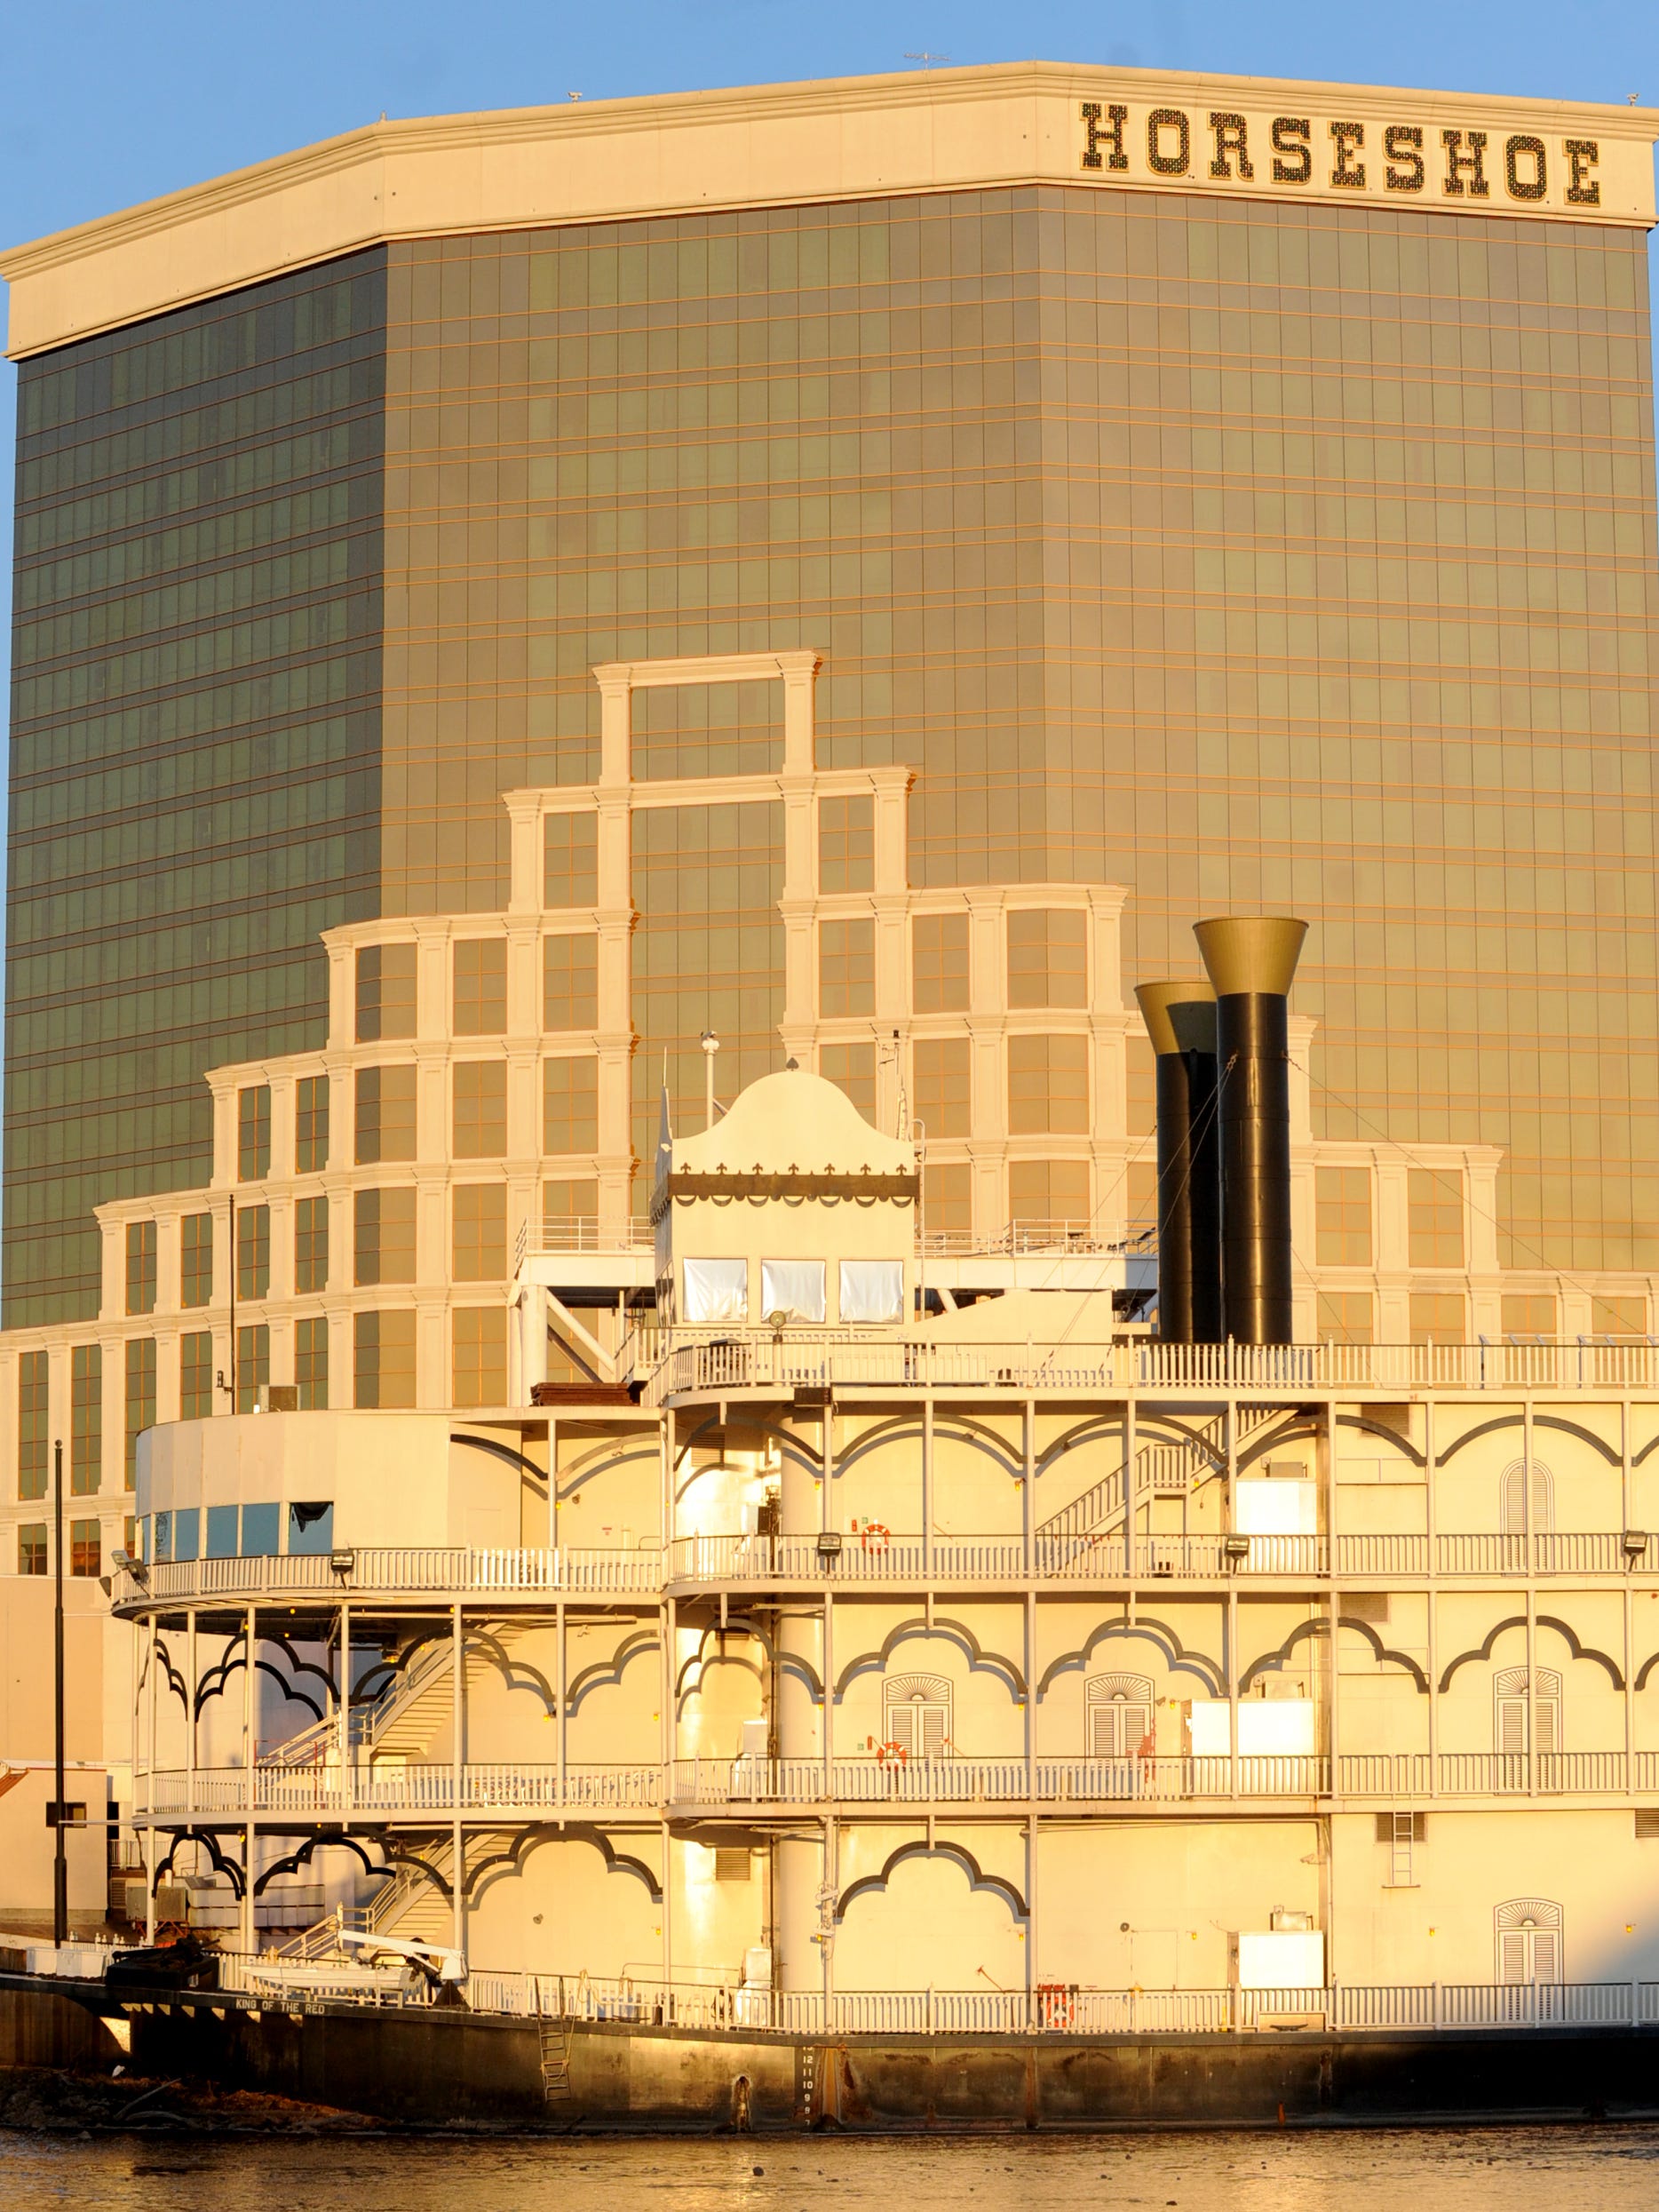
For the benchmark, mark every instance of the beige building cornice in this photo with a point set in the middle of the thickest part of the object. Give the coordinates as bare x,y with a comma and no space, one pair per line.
841,139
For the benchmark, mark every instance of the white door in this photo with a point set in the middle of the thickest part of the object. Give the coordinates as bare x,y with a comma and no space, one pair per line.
1529,1952
1118,1726
920,1726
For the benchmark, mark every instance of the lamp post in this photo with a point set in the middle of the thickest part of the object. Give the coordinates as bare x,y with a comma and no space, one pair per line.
60,1864
710,1045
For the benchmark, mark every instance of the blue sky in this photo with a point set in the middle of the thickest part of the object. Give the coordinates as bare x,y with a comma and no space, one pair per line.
101,106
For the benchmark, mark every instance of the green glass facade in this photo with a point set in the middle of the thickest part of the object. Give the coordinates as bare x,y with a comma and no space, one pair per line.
196,739
1252,555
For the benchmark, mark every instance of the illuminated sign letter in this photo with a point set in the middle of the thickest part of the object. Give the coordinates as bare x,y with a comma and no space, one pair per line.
1291,135
1515,152
1459,164
1582,189
1345,173
1402,144
1110,136
1230,146
1158,122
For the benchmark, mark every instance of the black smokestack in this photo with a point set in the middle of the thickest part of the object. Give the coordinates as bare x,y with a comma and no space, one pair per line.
1250,963
1180,1020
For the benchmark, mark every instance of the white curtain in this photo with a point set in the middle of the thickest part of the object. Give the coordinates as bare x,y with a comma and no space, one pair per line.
872,1290
717,1290
795,1288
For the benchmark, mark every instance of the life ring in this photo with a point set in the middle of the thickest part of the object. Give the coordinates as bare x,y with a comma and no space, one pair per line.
883,1752
873,1537
1055,2003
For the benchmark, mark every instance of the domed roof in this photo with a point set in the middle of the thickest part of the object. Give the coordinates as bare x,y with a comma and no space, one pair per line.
793,1123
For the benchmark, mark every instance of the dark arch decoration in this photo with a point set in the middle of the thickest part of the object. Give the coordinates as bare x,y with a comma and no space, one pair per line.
504,1453
1562,1628
1370,1427
1160,1427
1647,1668
607,1674
159,1655
790,1446
527,1839
978,1879
1180,1659
597,1461
215,1683
740,1624
1297,1425
1539,1420
301,1856
980,1661
221,1865
1318,1631
957,1428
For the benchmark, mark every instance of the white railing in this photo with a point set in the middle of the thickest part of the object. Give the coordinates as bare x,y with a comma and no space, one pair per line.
1382,1555
415,1786
880,1556
453,1570
582,1233
677,1362
953,1779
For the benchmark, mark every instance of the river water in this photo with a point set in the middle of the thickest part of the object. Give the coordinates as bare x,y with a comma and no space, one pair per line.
1554,2169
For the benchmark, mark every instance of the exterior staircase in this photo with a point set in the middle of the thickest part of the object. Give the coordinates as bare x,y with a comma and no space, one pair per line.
1161,1470
402,1721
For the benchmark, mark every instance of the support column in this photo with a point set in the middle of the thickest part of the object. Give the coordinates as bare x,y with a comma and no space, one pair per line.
342,1710
1432,1594
248,1936
1029,1478
829,1730
193,1676
457,1723
149,1788
562,1730
927,1486
1232,1687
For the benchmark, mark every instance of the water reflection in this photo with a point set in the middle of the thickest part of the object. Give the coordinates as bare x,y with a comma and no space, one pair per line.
1560,2169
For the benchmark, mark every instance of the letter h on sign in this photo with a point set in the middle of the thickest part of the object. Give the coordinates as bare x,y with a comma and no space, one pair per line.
1109,136
1459,164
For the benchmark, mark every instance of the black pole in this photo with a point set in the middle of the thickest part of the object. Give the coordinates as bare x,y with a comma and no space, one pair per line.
1181,1020
60,1864
233,1301
1250,963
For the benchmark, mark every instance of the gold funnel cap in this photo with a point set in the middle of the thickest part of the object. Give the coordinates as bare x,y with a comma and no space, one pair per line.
1179,1017
1250,952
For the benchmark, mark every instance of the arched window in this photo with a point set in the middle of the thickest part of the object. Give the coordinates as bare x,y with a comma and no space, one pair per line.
1119,1710
1512,1498
1515,1710
916,1713
1529,1941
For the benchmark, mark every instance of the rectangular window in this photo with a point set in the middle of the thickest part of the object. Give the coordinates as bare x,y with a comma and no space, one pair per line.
311,1244
1048,958
386,993
253,1365
480,1109
852,1068
31,1548
846,967
480,1338
86,1418
1346,1317
715,1290
1048,1086
846,844
481,986
948,1196
570,1212
1529,1314
33,1421
253,1250
195,1259
481,1231
792,1290
939,956
870,1290
383,1359
140,1399
1342,1216
86,1549
140,1267
310,1123
570,863
570,1105
195,1375
571,982
1618,1317
1437,1317
385,1114
383,1236
1434,1221
942,1091
1046,1192
311,1364
253,1133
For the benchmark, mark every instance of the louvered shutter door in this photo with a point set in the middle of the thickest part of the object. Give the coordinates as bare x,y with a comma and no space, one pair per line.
1511,1511
1542,1518
1549,1714
1101,1732
932,1730
1512,1956
1511,1726
1546,1954
901,1727
1137,1728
